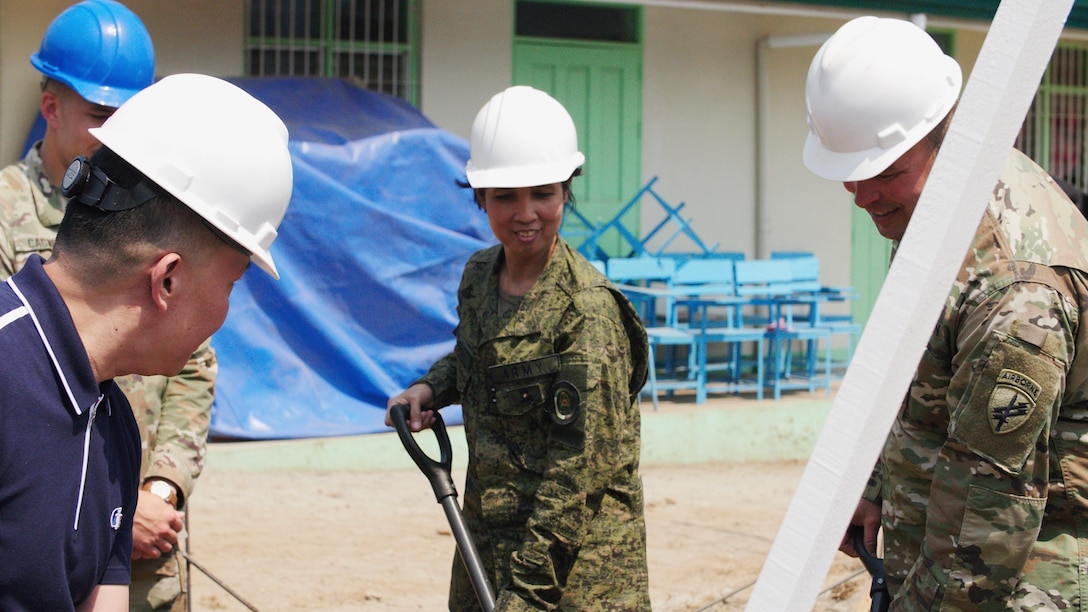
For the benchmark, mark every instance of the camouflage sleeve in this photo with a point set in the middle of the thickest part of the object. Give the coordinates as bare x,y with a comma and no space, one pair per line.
442,379
13,185
876,482
442,376
181,441
989,490
583,457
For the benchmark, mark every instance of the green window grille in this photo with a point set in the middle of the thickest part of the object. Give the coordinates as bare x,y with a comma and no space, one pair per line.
374,42
1053,133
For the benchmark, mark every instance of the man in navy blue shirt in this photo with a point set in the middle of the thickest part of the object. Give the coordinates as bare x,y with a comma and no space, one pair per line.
191,182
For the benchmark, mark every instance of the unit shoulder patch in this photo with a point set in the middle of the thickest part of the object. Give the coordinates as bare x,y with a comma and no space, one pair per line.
1012,401
566,402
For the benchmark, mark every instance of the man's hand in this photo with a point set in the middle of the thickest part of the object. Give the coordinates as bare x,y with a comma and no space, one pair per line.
155,527
867,516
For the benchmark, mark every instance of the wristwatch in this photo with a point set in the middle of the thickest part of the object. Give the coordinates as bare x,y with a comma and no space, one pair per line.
163,489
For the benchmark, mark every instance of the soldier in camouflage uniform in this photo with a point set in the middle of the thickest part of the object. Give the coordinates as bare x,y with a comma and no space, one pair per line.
548,365
981,484
173,412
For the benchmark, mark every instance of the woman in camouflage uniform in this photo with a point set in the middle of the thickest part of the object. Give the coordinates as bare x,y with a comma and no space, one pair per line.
548,365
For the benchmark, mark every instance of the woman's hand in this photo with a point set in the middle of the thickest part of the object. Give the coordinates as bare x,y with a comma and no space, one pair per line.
420,399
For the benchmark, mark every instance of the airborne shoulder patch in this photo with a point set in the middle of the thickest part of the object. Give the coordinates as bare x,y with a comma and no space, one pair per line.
1012,401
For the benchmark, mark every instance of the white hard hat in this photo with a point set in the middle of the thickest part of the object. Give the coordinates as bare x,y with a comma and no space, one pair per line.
874,90
522,138
216,148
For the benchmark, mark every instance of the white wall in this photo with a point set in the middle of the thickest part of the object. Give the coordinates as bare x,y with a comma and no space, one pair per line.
697,131
21,27
203,36
800,211
467,50
701,118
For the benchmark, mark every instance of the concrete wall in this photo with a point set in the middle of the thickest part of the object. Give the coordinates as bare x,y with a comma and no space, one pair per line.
698,133
798,211
21,27
195,35
724,430
466,58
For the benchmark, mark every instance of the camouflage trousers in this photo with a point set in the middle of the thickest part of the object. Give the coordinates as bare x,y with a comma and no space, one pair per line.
160,584
608,574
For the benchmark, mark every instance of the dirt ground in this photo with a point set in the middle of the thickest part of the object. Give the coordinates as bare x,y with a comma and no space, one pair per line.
379,541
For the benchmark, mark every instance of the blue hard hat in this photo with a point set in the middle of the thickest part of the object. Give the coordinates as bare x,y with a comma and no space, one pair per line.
100,49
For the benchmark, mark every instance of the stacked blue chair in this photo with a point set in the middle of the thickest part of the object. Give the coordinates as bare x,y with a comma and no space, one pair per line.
644,280
805,272
707,285
670,378
767,284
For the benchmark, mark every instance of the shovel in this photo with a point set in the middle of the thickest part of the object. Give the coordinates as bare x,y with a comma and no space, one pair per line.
438,473
878,591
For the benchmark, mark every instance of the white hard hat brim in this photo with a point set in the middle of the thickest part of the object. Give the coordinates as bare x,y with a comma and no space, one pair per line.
852,166
522,176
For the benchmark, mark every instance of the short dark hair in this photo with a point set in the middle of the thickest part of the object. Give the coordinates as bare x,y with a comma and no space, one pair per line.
102,244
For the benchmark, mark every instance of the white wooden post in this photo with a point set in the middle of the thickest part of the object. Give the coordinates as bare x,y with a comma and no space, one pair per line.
995,100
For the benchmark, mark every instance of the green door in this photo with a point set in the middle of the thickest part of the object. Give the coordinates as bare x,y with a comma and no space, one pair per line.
601,85
869,258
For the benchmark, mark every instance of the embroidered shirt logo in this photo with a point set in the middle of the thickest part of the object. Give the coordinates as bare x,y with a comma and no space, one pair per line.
1012,401
115,518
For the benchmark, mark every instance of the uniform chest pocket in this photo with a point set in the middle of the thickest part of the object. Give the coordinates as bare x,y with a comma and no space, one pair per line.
517,388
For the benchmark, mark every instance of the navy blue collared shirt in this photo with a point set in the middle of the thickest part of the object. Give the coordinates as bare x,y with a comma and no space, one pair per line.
69,456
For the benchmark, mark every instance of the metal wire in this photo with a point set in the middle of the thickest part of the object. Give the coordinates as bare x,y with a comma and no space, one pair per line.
726,597
215,580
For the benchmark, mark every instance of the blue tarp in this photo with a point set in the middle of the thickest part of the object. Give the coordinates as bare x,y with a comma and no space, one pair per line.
370,255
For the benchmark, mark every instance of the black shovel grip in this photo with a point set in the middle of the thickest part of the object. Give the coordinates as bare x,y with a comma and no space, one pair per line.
878,590
437,472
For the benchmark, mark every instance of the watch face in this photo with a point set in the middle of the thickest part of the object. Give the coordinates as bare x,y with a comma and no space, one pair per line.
162,489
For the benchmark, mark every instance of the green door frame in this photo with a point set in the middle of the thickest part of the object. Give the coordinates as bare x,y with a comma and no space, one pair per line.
600,84
870,255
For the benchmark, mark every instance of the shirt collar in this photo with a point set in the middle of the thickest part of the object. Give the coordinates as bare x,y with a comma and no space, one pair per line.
58,331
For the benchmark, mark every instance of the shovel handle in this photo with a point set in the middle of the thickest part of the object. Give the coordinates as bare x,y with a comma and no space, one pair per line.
437,472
